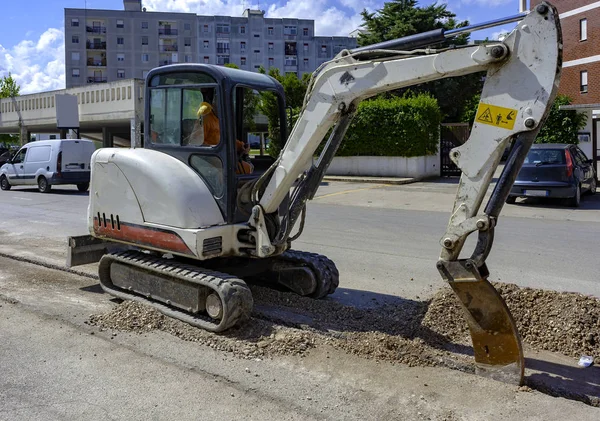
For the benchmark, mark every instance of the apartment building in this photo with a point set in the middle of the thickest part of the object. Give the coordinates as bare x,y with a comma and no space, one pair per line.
108,45
580,79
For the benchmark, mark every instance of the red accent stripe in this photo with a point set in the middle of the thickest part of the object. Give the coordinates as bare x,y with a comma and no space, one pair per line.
137,234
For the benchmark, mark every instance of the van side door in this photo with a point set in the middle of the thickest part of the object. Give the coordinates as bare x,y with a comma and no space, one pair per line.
37,162
16,170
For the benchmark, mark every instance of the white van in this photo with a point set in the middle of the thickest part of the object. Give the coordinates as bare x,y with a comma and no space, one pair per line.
49,162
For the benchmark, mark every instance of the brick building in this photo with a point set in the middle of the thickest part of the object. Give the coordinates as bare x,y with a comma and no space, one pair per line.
580,80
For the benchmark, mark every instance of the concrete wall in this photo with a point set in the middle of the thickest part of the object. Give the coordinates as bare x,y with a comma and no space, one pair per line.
386,166
96,103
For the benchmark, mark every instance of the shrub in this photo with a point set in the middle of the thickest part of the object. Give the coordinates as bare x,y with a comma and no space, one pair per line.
407,126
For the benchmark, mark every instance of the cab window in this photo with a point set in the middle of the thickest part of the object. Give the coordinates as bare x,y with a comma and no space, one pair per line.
184,117
20,156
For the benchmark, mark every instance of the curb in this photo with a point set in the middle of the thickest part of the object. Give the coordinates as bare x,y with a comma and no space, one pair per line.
377,180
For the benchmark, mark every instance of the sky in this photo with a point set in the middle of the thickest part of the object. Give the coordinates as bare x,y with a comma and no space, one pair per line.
32,31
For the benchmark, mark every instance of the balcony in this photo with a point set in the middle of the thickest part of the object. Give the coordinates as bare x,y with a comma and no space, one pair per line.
167,62
168,48
91,45
96,62
290,49
96,29
323,54
222,60
223,50
96,79
167,31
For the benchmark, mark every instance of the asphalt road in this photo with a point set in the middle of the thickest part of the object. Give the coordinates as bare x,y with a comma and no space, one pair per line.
384,240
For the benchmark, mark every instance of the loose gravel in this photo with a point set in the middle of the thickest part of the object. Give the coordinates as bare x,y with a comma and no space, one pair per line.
416,333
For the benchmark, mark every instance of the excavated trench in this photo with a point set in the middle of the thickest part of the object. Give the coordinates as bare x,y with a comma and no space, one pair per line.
416,333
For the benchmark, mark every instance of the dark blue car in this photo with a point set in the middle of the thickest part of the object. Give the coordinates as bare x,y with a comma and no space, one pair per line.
555,170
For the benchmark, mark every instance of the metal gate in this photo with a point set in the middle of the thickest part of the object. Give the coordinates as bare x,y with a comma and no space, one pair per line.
452,135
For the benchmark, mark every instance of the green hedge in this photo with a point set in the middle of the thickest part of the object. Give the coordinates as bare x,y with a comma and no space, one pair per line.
408,126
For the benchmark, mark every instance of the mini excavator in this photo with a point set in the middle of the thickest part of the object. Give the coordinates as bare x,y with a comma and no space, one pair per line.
176,225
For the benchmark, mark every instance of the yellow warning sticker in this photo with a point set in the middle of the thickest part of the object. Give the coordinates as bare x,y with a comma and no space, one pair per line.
496,116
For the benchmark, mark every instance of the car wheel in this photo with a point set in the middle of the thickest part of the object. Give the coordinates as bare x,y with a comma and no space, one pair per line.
511,200
575,201
43,185
83,187
593,186
4,184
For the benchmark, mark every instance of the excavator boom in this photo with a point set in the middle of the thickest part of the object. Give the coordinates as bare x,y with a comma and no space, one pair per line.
523,73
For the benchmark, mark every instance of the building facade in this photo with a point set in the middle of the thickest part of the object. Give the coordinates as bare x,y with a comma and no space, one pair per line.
580,79
107,45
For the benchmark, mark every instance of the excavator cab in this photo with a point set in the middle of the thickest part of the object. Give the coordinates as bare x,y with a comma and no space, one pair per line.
203,115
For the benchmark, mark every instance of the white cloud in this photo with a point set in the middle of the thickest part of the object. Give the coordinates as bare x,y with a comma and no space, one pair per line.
331,18
492,3
36,66
39,65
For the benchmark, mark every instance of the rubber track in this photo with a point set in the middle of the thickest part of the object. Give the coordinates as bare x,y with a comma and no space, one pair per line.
328,277
234,293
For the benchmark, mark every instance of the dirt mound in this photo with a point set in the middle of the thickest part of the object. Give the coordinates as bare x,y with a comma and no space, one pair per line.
566,323
425,333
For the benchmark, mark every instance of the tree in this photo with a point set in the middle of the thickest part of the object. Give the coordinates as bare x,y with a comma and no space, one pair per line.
294,90
9,89
400,18
561,126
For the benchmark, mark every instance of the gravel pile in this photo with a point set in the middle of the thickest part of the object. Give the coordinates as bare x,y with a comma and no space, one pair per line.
428,333
566,323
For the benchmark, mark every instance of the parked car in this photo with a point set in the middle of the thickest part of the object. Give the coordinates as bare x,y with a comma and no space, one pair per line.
555,170
49,162
5,156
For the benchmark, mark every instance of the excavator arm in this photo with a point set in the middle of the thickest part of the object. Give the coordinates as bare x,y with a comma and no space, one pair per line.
523,73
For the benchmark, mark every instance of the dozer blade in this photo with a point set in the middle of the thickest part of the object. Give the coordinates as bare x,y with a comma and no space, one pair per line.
496,341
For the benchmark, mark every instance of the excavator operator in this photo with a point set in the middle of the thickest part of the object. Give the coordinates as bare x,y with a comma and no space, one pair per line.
212,136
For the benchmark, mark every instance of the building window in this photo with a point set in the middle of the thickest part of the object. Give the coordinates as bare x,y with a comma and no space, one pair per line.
188,58
257,51
120,73
206,59
305,32
291,61
270,46
144,25
120,41
75,72
145,58
205,44
583,29
120,23
323,48
74,56
144,40
75,39
243,61
290,30
187,26
306,63
256,36
243,46
242,29
583,77
120,57
306,47
187,41
205,28
271,31
74,22
144,74
271,61
222,28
